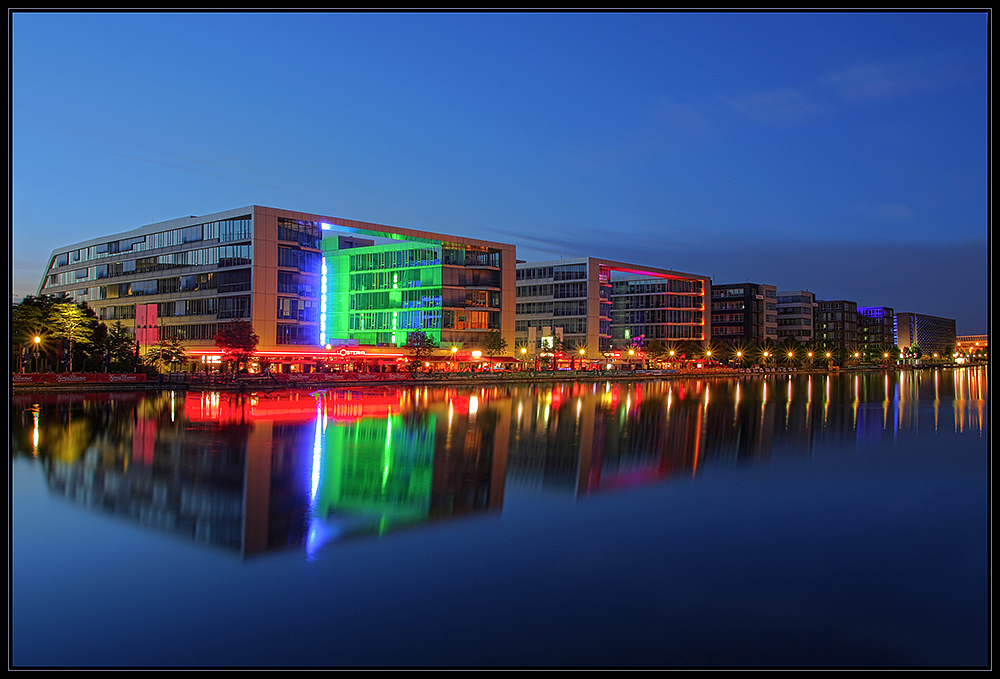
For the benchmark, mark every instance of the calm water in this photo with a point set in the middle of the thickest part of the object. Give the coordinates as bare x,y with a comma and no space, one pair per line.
803,521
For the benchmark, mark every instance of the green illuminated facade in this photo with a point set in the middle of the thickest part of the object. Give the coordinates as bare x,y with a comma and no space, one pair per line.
380,285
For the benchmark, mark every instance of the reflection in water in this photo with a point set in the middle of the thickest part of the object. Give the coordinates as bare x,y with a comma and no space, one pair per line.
257,472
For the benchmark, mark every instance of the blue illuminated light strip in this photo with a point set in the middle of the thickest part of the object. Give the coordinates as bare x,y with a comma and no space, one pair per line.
322,305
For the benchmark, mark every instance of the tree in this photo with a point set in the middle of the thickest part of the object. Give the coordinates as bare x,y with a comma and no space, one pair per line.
494,344
27,323
238,342
32,318
119,348
421,346
655,350
790,350
72,323
168,351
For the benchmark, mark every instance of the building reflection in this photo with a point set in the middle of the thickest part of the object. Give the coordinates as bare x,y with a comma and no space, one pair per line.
298,469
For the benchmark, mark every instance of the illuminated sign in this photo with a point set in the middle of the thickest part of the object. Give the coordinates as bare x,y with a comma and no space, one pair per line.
344,352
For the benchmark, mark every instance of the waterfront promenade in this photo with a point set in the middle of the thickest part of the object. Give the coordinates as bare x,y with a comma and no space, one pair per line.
229,382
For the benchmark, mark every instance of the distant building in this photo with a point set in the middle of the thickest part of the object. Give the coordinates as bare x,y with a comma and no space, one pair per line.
876,328
837,326
931,333
744,313
796,315
592,304
973,346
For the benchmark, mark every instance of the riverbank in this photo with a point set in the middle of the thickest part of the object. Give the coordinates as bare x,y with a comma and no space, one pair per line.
201,382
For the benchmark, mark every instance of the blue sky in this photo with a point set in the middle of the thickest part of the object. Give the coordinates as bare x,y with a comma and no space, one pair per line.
841,153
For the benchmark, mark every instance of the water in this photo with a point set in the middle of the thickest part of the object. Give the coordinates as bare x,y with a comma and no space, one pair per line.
807,521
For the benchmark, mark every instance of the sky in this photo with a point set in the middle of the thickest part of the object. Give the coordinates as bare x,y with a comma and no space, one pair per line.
842,153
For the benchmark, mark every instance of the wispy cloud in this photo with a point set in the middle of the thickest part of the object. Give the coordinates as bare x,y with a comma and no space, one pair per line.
890,212
859,83
891,79
778,105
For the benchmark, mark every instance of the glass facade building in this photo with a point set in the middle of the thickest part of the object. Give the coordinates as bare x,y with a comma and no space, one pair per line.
302,280
931,333
380,285
595,304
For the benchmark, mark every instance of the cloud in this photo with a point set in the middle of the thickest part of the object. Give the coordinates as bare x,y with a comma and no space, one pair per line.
890,80
779,105
890,212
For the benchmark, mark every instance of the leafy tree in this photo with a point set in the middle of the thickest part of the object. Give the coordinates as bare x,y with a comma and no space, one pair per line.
238,342
168,351
27,323
790,350
421,346
494,343
655,351
119,347
72,323
30,319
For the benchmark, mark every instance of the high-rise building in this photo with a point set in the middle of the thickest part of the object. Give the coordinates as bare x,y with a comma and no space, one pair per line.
744,313
304,281
931,333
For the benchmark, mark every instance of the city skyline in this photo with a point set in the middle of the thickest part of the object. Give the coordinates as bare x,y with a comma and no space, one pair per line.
846,154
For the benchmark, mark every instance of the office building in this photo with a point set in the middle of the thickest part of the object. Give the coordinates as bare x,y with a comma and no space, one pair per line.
596,304
876,328
304,281
744,313
837,327
796,315
932,334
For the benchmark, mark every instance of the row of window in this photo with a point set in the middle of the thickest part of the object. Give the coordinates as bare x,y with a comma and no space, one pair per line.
796,299
392,280
303,260
677,332
306,234
221,307
296,284
656,285
298,310
223,256
395,320
225,231
658,302
237,280
655,316
395,259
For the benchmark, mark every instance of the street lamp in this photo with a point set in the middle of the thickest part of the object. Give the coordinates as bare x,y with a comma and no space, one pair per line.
38,341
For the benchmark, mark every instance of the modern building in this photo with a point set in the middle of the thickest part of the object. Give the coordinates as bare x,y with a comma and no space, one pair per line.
931,333
744,313
876,328
304,281
596,304
837,326
796,315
